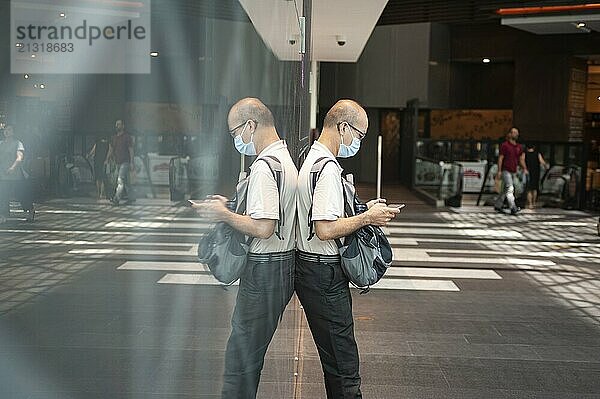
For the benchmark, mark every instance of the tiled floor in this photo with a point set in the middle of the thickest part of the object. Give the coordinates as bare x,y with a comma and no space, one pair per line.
102,302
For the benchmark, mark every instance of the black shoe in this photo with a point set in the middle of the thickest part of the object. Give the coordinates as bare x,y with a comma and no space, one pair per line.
514,211
499,210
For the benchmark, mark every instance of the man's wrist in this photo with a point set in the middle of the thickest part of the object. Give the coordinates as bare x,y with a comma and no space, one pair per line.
225,216
365,219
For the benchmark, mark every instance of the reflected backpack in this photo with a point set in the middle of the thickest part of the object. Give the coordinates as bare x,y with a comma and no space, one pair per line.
365,254
224,249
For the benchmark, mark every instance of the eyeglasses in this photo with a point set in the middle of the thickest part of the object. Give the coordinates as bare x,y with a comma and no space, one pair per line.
232,131
361,134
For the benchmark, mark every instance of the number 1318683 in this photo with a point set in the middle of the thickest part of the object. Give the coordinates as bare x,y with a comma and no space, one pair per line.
46,48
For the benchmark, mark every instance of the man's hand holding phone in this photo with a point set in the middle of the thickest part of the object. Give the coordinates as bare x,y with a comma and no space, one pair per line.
399,206
380,214
213,208
376,201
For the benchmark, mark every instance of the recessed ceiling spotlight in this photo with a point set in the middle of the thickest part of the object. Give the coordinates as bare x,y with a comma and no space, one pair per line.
32,55
26,76
18,44
42,86
35,86
598,98
154,54
62,15
486,60
581,26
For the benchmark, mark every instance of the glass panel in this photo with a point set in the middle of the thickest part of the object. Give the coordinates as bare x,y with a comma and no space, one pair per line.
122,284
545,151
559,154
439,180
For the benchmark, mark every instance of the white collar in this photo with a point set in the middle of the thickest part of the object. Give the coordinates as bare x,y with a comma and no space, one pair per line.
319,147
271,149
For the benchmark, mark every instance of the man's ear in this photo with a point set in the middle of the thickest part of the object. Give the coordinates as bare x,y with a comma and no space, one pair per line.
252,126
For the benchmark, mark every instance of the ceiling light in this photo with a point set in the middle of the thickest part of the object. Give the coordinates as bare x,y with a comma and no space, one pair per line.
18,44
26,76
581,26
486,60
154,54
42,86
32,55
598,98
35,85
62,15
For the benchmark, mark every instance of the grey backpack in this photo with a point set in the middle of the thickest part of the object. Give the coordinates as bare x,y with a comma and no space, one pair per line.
224,249
365,254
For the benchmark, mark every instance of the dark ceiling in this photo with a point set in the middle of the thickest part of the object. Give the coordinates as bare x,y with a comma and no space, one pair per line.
454,11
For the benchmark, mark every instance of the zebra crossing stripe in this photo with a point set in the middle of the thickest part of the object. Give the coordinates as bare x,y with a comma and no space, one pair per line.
386,284
191,279
164,266
421,255
436,272
420,272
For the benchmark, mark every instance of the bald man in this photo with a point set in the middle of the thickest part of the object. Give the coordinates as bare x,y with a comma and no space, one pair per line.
320,282
266,285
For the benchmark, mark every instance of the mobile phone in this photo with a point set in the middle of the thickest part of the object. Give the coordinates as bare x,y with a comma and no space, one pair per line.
399,206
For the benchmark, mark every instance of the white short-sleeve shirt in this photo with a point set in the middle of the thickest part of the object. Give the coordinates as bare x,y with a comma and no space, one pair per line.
8,156
327,201
263,199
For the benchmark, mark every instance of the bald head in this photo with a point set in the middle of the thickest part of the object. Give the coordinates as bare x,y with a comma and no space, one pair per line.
346,111
250,108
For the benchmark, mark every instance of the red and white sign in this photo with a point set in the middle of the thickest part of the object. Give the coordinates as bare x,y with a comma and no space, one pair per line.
473,176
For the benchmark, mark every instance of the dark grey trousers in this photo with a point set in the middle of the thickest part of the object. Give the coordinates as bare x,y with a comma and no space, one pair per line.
325,296
265,290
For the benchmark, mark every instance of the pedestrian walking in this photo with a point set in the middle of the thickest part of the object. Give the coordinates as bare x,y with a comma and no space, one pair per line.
511,156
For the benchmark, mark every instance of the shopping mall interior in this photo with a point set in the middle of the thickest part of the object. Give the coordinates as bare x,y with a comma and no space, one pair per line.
107,299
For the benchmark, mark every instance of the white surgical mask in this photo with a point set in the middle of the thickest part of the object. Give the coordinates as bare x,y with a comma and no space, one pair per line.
244,148
347,151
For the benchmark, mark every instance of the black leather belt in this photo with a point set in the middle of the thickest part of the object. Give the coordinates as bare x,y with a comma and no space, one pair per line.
317,258
271,256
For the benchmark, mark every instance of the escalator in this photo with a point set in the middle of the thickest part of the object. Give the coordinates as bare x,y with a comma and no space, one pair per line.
559,187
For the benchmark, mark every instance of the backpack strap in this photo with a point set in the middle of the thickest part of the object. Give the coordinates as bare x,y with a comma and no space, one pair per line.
276,169
347,191
315,175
